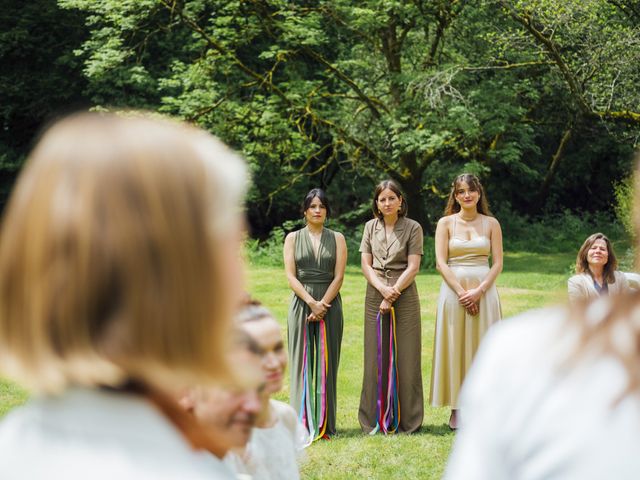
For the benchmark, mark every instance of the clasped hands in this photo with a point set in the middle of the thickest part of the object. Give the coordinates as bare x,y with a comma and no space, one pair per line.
390,294
470,300
319,309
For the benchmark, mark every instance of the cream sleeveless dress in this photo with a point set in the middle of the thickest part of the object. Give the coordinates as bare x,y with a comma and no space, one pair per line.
458,333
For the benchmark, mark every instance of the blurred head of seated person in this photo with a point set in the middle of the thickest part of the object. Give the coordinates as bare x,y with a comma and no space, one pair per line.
278,436
596,271
119,273
264,336
555,393
228,413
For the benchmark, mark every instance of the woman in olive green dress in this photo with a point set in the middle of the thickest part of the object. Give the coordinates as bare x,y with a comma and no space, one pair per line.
315,259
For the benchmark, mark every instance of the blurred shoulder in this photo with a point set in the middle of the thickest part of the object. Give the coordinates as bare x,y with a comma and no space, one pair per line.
286,414
579,279
493,221
625,277
337,235
370,226
411,223
371,223
446,220
291,236
533,331
512,353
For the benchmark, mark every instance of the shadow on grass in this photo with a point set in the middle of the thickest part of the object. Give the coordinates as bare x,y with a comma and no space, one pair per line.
349,433
437,430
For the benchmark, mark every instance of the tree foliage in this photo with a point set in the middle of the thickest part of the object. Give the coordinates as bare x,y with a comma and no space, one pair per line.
40,77
539,97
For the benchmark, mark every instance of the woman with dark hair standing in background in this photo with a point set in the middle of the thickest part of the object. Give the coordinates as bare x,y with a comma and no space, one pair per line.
315,259
468,304
596,270
391,251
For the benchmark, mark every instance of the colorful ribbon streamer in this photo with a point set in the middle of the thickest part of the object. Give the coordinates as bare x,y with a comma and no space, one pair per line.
388,412
313,405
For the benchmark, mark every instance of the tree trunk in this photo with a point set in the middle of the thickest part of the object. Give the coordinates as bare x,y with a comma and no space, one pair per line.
412,189
553,168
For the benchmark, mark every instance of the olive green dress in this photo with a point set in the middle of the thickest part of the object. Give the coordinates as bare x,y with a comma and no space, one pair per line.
316,274
390,259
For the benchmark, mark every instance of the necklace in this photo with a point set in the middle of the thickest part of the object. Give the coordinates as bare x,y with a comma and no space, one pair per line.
461,217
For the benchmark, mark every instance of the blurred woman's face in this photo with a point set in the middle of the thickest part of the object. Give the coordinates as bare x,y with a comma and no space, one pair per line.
229,414
266,333
598,254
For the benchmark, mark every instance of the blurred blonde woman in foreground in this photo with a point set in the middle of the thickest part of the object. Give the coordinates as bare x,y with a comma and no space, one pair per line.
555,393
118,276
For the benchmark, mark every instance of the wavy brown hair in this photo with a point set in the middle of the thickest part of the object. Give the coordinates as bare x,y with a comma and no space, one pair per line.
582,265
475,185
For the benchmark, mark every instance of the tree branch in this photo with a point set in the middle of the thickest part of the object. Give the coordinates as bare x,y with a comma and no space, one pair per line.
509,66
264,82
440,28
575,88
631,11
219,48
371,103
623,115
553,167
527,21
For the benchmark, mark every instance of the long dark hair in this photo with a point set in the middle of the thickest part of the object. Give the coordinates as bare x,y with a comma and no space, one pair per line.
475,185
313,193
393,186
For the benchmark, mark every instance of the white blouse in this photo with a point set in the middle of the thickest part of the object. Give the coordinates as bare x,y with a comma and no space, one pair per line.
97,434
273,452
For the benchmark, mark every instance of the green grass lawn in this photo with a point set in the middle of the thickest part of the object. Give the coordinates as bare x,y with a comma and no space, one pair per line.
529,281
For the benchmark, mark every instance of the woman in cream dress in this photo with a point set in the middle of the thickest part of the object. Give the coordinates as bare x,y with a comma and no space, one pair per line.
468,304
